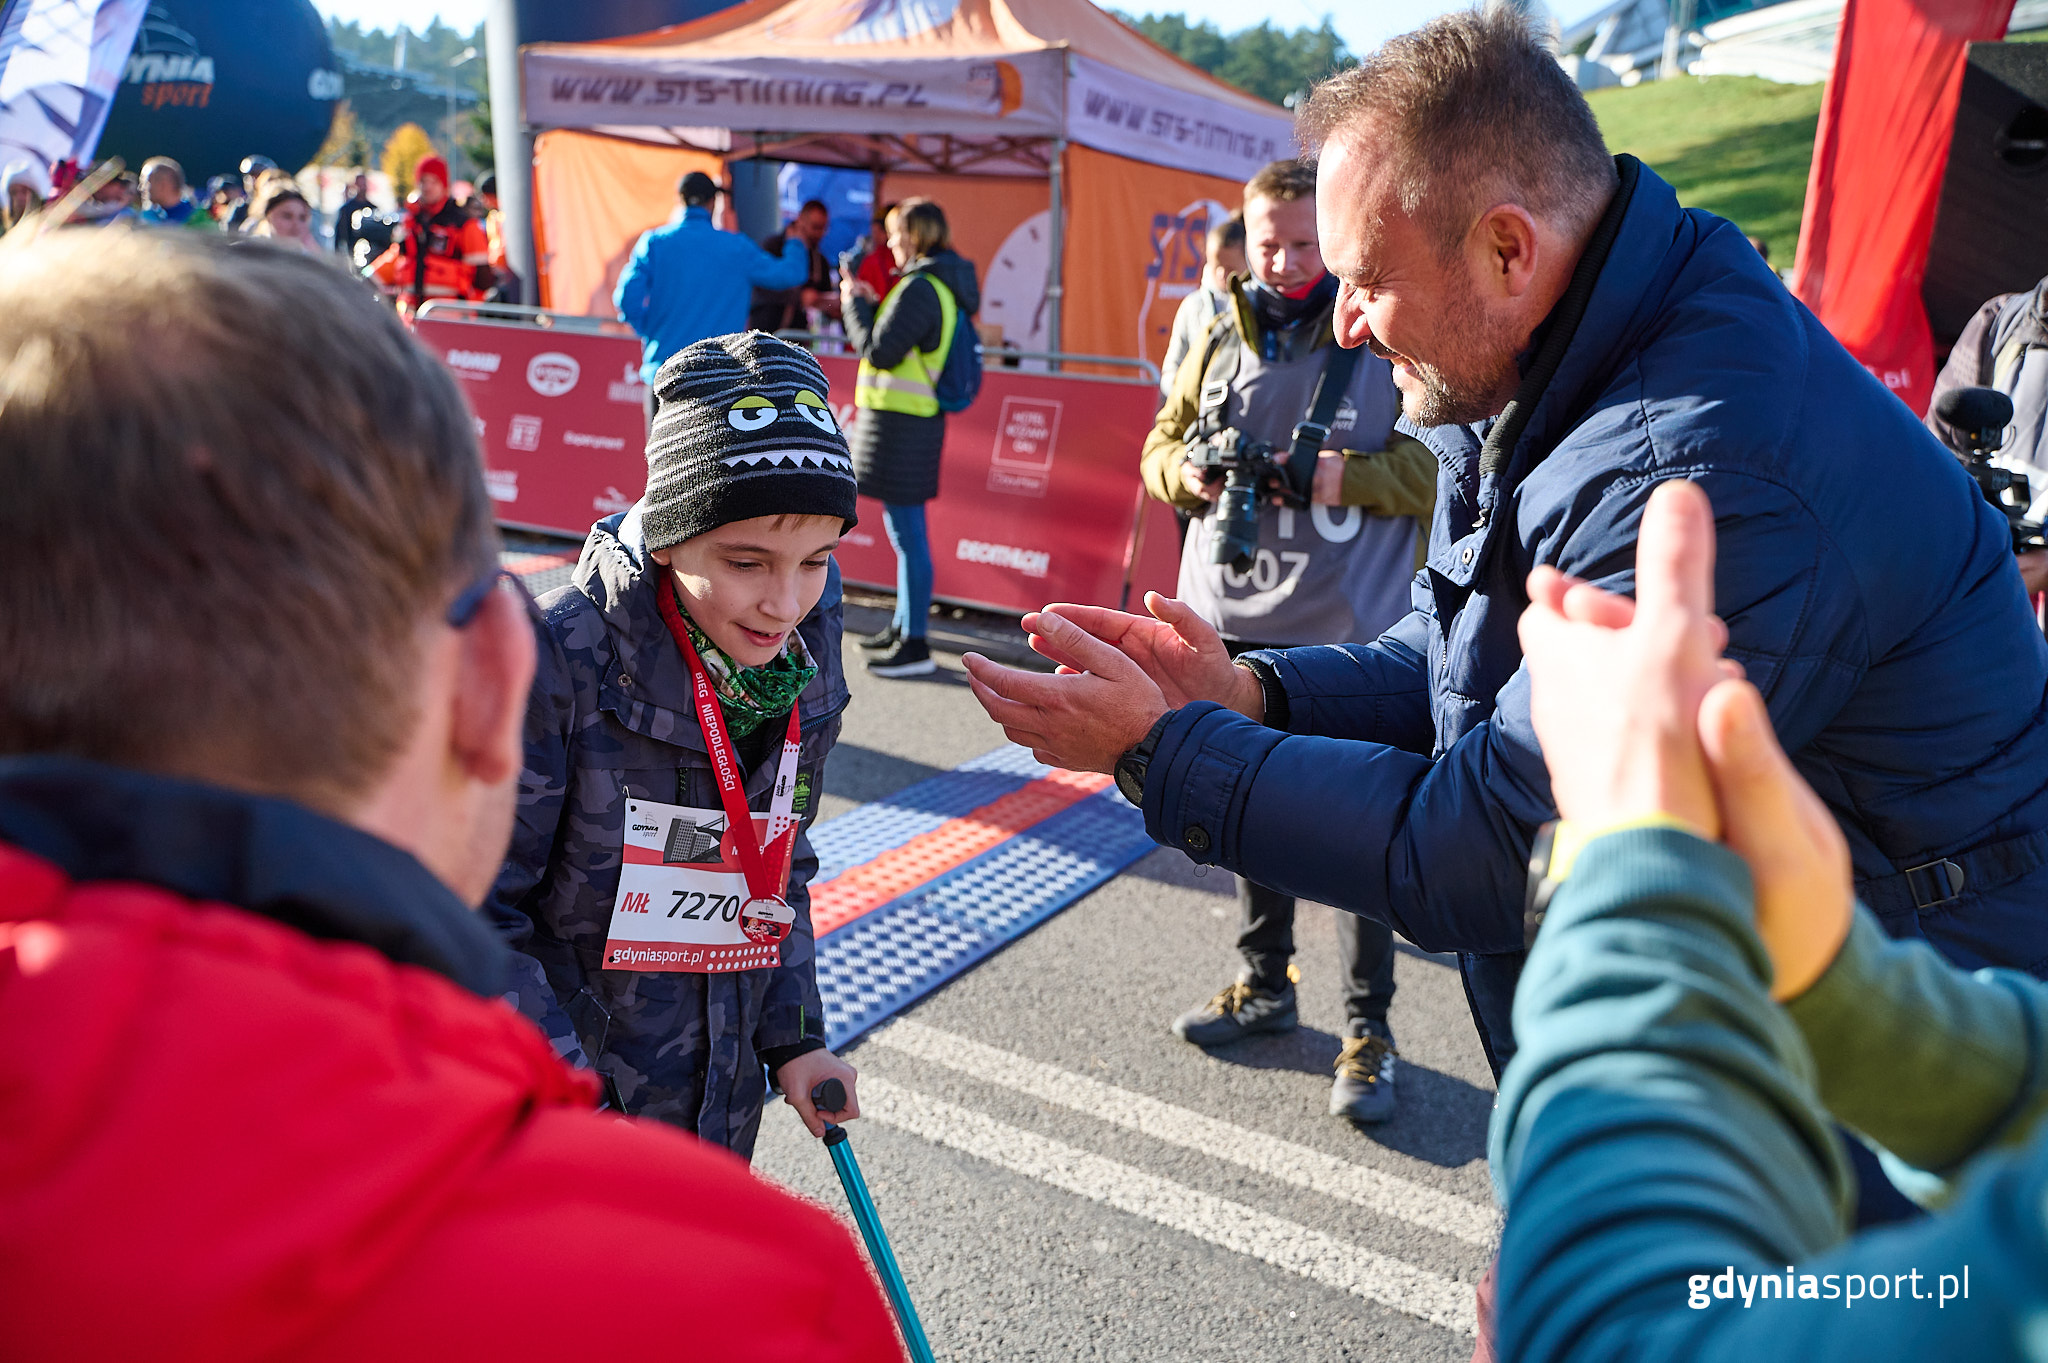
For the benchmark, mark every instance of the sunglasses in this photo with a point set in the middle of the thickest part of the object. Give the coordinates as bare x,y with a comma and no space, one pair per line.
462,611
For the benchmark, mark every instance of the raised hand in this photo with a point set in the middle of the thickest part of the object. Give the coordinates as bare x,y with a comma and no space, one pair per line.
1615,686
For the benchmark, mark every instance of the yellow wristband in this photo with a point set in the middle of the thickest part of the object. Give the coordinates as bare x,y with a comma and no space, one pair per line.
1569,839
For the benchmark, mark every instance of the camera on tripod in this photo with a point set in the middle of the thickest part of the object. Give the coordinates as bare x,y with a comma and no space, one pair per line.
1979,418
1252,471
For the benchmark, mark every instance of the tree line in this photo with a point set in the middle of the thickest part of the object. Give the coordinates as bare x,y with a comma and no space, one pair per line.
1273,63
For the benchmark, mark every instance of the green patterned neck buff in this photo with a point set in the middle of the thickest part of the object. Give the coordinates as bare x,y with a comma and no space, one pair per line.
749,697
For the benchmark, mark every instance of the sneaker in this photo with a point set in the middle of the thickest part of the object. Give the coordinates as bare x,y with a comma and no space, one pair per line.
882,642
1236,1013
1364,1091
909,658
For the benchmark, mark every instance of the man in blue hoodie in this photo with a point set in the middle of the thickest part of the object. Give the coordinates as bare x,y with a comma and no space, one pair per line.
1566,336
688,281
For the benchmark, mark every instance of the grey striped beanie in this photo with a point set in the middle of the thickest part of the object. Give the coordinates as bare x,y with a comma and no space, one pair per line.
743,428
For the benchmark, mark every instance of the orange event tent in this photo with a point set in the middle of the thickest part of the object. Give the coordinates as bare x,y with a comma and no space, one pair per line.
1066,149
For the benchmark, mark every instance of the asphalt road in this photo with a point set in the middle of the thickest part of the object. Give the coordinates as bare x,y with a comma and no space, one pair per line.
1062,1178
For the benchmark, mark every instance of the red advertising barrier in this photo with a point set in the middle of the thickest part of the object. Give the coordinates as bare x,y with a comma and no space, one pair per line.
1037,492
1155,555
1038,488
559,410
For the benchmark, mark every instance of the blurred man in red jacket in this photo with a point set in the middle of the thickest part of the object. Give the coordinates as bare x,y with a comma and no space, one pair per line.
261,696
443,251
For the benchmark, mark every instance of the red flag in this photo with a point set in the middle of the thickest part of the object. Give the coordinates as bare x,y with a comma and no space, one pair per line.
1878,161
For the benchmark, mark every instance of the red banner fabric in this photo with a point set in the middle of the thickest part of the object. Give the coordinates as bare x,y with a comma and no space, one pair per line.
559,415
1878,161
1038,488
1038,491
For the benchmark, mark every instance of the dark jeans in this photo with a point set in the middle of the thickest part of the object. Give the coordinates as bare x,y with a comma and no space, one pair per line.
907,536
1365,946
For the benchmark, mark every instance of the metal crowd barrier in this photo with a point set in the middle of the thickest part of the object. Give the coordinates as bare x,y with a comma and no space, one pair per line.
827,343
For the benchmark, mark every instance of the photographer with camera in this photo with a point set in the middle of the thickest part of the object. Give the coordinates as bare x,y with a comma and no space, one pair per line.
1283,443
2004,348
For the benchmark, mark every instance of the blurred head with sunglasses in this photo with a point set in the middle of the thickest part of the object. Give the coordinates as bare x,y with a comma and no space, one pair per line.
245,535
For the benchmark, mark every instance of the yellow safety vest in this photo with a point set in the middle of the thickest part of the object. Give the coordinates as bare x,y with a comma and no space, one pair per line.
911,386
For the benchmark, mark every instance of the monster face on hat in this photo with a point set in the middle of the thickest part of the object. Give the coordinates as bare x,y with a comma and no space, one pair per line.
744,428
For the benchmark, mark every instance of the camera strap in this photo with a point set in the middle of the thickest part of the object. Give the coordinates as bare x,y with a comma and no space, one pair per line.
1225,345
1311,431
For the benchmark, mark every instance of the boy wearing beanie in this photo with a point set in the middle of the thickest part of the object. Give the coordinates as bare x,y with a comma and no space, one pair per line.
688,690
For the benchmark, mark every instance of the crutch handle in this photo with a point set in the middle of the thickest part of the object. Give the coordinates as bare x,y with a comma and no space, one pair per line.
829,1096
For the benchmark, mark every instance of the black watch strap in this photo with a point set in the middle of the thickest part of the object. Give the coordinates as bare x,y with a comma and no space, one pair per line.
1132,766
1541,885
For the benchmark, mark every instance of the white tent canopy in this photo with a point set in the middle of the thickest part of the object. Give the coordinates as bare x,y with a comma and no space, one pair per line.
981,86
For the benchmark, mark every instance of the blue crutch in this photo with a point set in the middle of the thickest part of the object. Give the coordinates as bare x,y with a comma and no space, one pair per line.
830,1096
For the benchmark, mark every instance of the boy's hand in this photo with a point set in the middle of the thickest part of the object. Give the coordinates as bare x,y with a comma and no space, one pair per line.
806,1072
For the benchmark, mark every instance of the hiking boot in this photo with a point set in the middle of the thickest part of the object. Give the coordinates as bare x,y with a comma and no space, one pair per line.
883,641
1238,1012
1364,1091
909,658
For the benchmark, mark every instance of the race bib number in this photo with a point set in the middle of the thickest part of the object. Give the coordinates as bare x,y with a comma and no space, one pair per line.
683,902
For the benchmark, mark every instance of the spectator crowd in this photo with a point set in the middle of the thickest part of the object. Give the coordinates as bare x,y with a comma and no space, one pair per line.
436,246
1554,592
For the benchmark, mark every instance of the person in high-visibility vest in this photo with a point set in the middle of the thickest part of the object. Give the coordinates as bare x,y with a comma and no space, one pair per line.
903,341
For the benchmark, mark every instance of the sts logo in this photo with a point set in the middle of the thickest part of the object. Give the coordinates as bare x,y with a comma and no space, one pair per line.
1179,249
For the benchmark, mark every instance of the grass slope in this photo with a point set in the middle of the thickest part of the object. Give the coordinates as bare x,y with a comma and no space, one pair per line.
1733,145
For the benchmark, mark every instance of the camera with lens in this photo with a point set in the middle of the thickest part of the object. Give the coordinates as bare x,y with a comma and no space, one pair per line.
1253,471
1977,419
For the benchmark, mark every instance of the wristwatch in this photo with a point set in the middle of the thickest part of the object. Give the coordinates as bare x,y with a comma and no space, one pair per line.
1542,883
1131,767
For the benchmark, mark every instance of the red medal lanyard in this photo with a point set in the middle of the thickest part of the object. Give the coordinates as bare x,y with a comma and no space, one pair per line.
762,880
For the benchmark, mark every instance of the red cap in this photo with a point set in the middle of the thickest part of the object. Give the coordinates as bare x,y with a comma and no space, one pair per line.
431,165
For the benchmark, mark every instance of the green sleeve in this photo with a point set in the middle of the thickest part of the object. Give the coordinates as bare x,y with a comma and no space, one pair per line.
1674,1191
1160,461
1934,1064
1399,480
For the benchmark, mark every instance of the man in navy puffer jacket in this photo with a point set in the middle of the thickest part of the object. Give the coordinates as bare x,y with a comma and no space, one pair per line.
1512,270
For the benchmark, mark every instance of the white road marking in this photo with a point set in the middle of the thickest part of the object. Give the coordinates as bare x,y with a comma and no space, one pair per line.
1385,1194
1231,1225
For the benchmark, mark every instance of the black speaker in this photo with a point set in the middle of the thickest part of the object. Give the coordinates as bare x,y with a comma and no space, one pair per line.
1991,227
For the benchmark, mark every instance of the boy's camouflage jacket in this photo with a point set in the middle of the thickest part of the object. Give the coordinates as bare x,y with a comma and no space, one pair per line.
610,708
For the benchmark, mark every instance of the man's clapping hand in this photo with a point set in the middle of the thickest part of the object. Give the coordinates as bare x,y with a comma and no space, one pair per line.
1177,649
1118,673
